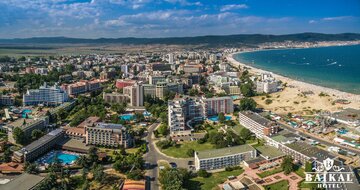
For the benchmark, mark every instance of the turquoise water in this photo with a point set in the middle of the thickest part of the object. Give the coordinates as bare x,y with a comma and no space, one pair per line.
216,118
26,112
64,158
335,67
127,117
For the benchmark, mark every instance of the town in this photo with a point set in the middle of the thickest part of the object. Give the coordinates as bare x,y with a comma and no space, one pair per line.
167,118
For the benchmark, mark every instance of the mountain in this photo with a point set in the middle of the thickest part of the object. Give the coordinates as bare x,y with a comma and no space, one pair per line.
209,40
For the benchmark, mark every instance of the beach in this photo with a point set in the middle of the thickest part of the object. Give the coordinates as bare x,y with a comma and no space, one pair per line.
291,99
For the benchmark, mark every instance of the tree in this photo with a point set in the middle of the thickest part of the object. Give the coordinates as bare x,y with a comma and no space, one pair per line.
82,161
287,165
221,117
19,135
93,157
308,167
98,172
6,157
171,179
247,89
247,104
163,129
31,168
36,134
190,152
136,174
245,134
203,173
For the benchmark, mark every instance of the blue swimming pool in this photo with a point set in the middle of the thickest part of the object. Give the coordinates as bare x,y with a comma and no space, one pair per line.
216,118
127,117
25,112
64,158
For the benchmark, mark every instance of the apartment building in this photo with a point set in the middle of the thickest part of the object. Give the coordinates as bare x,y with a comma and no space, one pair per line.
27,125
224,157
257,124
48,95
121,83
135,94
162,87
214,106
6,100
177,115
108,134
82,87
114,98
154,79
39,147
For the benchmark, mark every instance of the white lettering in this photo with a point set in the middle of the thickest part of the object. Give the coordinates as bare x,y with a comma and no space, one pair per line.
308,177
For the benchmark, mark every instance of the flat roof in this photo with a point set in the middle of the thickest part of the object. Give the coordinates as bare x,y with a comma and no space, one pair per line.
269,152
74,144
109,125
347,114
224,151
23,182
43,140
310,151
256,117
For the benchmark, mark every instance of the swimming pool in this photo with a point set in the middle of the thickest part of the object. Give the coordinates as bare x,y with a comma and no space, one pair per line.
26,112
63,157
127,117
216,118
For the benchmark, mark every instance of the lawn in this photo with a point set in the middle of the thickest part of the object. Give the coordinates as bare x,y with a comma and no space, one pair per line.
300,171
237,129
212,181
180,150
270,172
281,185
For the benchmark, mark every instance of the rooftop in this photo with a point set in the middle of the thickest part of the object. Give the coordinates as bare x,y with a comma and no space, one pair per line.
109,126
269,152
23,182
43,140
222,152
257,118
90,121
310,151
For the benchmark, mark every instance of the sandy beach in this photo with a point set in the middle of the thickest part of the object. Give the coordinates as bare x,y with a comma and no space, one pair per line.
291,99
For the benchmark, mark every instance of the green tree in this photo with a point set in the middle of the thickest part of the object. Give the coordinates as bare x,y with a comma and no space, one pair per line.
136,174
93,156
287,165
171,179
31,168
98,172
36,134
245,134
247,104
190,152
203,173
82,161
163,129
247,89
221,117
19,135
6,157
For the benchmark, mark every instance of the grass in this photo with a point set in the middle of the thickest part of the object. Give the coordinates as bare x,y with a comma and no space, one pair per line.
212,181
270,172
180,150
300,171
237,129
281,185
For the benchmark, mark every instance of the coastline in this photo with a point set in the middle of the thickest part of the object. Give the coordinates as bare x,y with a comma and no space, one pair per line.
300,86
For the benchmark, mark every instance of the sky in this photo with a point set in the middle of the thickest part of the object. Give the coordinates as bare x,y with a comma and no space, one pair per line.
174,18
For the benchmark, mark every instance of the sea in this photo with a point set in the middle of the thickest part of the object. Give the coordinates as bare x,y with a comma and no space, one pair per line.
336,67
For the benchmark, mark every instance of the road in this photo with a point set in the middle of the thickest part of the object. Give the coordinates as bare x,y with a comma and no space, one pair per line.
154,155
320,140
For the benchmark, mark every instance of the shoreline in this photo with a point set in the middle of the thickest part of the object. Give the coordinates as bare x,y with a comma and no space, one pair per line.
298,85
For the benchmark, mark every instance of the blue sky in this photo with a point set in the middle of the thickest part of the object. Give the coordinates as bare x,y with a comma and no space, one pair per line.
164,18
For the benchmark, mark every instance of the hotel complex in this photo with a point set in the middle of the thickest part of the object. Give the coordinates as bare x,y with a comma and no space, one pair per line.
108,134
184,112
224,157
48,95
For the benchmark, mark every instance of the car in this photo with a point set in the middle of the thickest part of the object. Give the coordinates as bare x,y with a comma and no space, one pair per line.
173,164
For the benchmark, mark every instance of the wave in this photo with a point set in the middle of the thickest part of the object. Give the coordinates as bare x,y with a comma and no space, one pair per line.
333,63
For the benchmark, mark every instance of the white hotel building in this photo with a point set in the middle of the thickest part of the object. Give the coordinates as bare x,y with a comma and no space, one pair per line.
48,95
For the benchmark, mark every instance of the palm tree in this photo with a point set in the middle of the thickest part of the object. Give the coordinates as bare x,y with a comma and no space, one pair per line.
82,161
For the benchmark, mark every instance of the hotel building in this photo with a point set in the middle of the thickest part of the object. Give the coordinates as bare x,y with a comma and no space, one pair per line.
115,98
108,134
39,147
27,127
224,157
257,124
48,95
136,94
82,87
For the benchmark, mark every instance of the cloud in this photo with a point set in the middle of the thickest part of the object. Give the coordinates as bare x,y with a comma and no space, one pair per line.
184,2
233,7
339,18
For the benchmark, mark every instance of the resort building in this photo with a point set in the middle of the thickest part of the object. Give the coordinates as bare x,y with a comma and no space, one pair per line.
136,94
78,132
48,95
6,100
177,115
39,147
82,87
267,84
115,98
224,157
24,181
214,106
162,87
108,134
257,124
27,126
121,83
